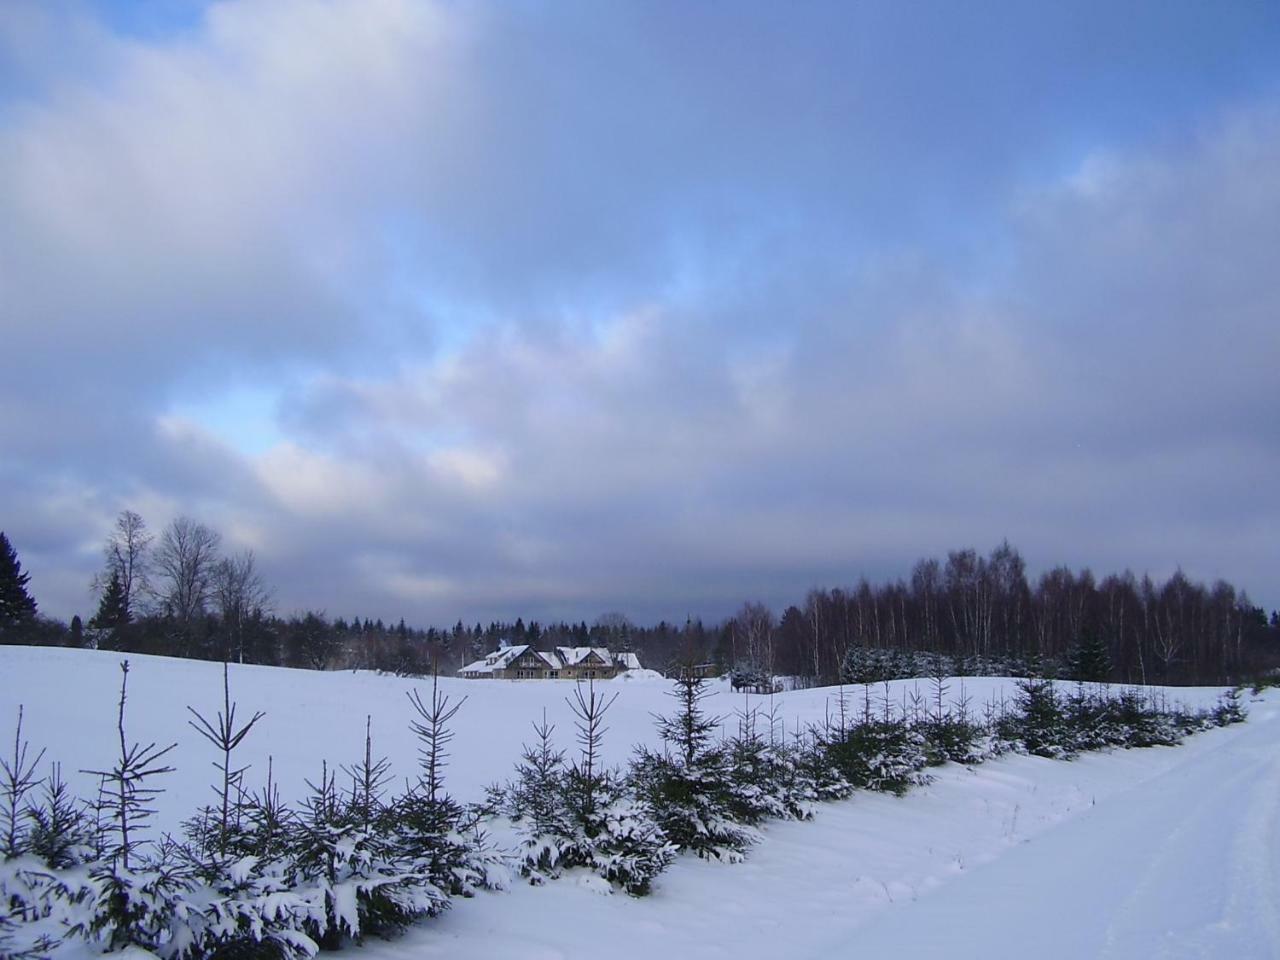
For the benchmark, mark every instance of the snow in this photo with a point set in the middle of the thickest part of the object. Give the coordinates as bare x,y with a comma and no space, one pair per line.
1142,853
1170,852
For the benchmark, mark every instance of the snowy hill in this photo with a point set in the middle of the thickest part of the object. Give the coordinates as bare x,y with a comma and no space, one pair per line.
1168,851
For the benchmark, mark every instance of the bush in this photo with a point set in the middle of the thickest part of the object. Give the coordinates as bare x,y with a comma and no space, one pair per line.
879,754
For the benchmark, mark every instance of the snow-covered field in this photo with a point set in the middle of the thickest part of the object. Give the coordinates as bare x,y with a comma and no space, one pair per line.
1141,853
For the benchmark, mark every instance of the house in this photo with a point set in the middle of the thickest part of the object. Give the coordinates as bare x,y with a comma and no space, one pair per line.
563,663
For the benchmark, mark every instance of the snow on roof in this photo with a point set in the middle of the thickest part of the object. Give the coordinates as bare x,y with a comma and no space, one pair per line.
498,660
572,656
502,658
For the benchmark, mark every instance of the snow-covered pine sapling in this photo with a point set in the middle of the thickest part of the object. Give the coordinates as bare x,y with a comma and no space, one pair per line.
433,733
428,819
939,686
1039,723
267,819
17,779
840,722
607,830
536,801
369,779
915,703
27,888
1087,716
351,876
225,737
61,835
949,734
1229,709
135,898
440,838
760,772
585,774
689,731
321,848
687,788
126,794
534,797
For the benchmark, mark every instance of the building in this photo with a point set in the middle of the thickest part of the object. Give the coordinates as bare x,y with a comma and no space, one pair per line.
563,663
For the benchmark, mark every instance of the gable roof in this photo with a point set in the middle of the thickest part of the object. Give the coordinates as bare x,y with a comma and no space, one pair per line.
560,658
572,656
503,658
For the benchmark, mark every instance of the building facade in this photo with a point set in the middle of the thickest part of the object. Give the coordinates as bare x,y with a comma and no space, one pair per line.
563,663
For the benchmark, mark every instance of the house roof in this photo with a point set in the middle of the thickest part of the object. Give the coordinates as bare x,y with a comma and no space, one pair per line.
558,659
572,656
503,658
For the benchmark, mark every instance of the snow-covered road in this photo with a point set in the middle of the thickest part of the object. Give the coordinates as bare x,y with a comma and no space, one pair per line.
1170,852
1181,865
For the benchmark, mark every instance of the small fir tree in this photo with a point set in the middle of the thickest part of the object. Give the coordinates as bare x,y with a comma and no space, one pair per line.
17,780
688,789
223,822
136,894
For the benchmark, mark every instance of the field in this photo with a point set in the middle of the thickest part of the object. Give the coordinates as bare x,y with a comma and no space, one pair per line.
1159,852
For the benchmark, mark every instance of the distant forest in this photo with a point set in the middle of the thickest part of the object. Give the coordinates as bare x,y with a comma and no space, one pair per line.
177,594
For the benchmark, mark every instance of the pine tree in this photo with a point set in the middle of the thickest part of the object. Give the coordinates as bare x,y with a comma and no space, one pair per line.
113,614
17,609
136,894
1091,660
688,789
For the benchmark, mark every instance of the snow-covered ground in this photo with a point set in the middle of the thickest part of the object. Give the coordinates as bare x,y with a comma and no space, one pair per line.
1141,853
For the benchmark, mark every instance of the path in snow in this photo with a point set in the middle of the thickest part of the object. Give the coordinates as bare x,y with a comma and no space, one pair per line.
1170,852
1182,865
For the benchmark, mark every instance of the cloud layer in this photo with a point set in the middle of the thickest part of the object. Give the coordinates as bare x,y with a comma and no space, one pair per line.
491,310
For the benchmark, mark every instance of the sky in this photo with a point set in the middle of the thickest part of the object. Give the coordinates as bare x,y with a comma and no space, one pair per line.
475,310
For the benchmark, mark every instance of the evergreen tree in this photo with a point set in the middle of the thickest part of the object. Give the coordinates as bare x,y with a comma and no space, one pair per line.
1091,661
689,788
113,614
17,609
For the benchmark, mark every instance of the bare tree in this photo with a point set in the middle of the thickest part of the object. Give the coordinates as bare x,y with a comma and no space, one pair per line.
185,563
754,626
241,594
127,553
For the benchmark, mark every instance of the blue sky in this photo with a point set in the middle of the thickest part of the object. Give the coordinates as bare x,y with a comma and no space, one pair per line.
550,309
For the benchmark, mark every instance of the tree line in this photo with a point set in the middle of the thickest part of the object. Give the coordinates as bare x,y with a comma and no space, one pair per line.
178,594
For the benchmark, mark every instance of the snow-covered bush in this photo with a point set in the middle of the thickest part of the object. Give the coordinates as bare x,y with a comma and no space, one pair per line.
813,775
351,871
578,815
953,738
764,777
1229,709
1138,723
1038,723
688,788
878,753
438,837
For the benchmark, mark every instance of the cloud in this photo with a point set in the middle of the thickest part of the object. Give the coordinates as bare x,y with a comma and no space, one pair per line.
498,309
